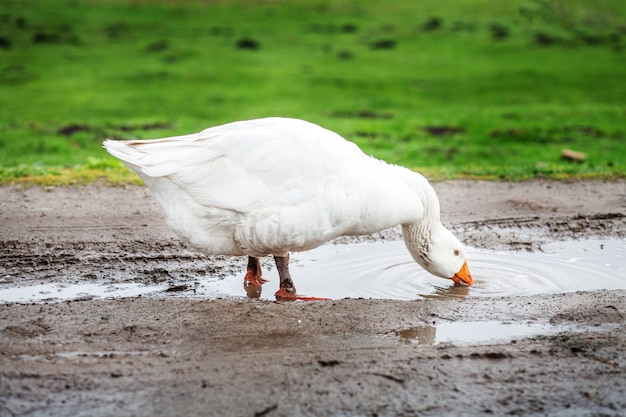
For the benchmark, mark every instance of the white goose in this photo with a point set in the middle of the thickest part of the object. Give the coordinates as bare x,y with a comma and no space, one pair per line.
276,185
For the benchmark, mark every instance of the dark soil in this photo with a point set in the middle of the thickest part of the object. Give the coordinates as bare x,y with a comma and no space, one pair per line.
175,355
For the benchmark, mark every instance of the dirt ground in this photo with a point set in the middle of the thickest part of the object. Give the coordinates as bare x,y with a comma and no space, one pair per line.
177,355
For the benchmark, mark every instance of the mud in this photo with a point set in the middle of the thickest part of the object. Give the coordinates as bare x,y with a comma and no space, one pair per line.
179,355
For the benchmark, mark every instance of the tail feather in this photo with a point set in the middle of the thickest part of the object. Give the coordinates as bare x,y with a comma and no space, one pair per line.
123,150
160,157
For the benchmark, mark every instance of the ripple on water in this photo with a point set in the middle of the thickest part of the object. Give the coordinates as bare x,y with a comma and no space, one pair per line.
385,270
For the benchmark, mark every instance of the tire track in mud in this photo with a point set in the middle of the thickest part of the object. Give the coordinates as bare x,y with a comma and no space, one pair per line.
530,232
142,262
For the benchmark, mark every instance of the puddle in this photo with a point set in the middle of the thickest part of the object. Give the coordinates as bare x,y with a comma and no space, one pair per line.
63,292
474,332
486,332
385,270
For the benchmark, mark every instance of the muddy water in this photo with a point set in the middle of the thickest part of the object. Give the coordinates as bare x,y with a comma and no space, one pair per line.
473,332
63,292
385,270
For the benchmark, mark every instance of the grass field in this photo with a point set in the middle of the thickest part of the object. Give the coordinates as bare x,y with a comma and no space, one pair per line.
465,88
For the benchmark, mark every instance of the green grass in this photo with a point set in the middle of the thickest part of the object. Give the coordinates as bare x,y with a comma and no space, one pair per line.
506,84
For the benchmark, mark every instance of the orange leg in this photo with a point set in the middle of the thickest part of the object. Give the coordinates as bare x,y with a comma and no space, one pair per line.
253,279
253,272
287,291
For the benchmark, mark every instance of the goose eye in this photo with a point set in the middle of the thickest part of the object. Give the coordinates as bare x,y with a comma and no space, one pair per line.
457,252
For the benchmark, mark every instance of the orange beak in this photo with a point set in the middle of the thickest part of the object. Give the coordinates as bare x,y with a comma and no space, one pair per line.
463,276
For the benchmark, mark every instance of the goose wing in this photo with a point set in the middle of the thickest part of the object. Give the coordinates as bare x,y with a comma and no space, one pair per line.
245,165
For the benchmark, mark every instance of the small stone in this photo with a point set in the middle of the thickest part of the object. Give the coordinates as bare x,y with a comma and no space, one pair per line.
574,156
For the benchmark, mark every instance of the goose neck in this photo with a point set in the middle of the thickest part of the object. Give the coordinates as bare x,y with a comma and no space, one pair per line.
417,235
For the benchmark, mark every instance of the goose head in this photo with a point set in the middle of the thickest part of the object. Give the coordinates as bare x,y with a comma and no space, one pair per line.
439,252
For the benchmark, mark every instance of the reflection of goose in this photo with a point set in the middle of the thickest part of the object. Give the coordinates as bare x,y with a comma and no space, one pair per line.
273,186
456,291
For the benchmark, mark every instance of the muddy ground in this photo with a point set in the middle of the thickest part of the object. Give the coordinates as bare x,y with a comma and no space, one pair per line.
175,355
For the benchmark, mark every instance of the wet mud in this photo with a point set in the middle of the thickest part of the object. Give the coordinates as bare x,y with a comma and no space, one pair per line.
178,353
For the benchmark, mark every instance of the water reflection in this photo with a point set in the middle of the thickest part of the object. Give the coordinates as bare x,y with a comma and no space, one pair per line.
423,335
252,291
473,332
454,291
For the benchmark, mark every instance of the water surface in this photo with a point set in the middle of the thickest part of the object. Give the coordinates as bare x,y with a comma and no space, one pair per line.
385,270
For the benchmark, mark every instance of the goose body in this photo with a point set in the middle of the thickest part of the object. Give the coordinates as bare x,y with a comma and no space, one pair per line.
276,185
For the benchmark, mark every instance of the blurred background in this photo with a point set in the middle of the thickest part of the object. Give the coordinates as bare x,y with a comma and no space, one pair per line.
464,88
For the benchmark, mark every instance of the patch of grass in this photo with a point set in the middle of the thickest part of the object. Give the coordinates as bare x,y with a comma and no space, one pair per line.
465,88
106,171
